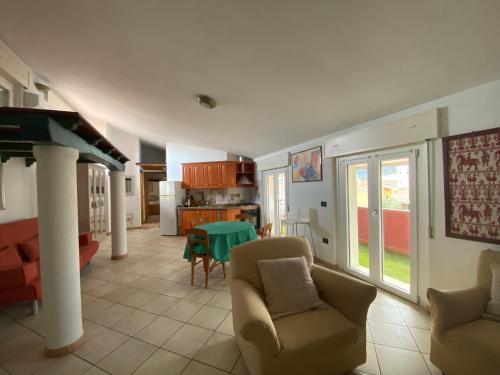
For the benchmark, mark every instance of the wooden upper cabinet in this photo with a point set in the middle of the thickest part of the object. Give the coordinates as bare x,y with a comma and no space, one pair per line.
187,178
227,174
211,175
218,174
198,175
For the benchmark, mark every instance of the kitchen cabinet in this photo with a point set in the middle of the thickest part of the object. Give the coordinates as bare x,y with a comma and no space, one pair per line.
198,175
187,214
187,170
229,214
211,175
219,174
227,174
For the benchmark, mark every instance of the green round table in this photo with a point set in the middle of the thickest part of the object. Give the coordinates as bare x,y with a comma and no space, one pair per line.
223,236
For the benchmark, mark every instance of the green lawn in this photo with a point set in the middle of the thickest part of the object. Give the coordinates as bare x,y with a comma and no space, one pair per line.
396,265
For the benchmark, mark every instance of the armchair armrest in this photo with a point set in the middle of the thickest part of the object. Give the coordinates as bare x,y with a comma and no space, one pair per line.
455,307
251,318
350,296
84,238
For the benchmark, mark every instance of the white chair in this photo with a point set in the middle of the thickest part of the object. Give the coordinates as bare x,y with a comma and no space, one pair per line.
299,216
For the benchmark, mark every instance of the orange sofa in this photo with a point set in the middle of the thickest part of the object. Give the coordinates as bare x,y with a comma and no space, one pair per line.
20,261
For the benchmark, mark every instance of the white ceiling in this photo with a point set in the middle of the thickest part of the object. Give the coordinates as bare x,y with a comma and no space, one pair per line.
282,71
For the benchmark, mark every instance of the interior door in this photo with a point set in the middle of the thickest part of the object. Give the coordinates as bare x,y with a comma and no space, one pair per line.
380,226
275,199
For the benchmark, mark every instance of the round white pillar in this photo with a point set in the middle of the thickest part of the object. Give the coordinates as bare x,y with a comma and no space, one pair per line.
118,215
59,251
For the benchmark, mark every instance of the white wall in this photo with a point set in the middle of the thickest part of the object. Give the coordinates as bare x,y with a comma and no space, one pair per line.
129,145
179,153
20,191
444,262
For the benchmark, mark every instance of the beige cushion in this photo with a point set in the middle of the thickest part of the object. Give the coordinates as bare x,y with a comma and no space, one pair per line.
288,286
316,328
244,257
484,275
471,348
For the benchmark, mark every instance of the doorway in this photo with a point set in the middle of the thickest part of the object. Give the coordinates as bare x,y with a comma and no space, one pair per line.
379,219
275,199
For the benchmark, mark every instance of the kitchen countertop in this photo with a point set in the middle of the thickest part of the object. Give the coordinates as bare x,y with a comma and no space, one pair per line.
221,207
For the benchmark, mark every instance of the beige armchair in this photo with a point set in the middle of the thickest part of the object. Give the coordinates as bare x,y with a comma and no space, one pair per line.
331,341
462,342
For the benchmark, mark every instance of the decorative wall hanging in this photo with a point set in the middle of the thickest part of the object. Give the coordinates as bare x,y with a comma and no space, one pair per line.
306,165
472,185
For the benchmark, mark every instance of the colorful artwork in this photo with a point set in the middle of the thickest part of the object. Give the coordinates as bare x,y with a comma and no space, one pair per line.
472,185
306,165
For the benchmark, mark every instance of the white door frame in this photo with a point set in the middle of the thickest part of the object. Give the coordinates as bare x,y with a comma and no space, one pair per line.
274,172
373,159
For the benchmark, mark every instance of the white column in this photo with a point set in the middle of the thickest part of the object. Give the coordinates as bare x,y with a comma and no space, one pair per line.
118,215
59,251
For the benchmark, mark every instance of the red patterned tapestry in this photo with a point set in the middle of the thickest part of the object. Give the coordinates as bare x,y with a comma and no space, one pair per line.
472,185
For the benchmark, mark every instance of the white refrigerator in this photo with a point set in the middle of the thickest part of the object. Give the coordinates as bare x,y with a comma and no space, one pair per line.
171,195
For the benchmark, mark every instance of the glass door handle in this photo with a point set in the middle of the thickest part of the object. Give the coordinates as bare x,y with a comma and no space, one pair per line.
374,215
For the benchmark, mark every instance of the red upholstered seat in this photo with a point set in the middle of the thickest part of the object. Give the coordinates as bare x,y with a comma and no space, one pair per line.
20,263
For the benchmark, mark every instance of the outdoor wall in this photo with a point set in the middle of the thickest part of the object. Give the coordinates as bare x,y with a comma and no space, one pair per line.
179,153
396,229
444,262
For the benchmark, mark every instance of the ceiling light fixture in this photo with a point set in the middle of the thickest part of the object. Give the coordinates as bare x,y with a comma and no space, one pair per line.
206,101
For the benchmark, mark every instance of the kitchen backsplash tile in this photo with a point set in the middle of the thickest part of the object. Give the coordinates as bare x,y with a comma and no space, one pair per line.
224,196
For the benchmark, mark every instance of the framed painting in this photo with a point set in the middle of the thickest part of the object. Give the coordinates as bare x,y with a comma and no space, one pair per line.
472,185
306,165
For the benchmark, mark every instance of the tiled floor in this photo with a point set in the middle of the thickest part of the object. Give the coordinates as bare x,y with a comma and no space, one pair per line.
142,316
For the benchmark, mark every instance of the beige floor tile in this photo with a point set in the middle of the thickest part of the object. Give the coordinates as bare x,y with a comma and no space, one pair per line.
90,329
178,290
95,306
201,295
188,340
86,298
392,335
371,364
101,290
139,299
369,337
196,368
100,345
221,300
67,365
241,367
159,304
423,339
183,310
120,293
87,283
3,371
133,322
384,298
163,362
220,351
111,315
95,371
209,317
21,340
127,357
416,317
395,361
28,362
153,284
159,331
385,314
226,326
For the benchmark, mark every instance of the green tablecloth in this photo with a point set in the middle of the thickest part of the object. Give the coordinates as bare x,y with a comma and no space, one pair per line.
224,235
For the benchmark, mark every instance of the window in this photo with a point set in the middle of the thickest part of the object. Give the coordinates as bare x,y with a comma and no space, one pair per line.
129,185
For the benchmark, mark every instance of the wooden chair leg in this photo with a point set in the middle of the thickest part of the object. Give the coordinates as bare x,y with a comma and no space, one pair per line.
224,269
192,271
206,265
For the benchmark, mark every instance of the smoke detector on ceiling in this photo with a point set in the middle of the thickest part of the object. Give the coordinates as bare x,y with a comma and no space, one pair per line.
206,101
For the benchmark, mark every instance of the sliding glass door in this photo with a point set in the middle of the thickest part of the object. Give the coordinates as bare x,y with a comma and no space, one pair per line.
275,199
379,219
